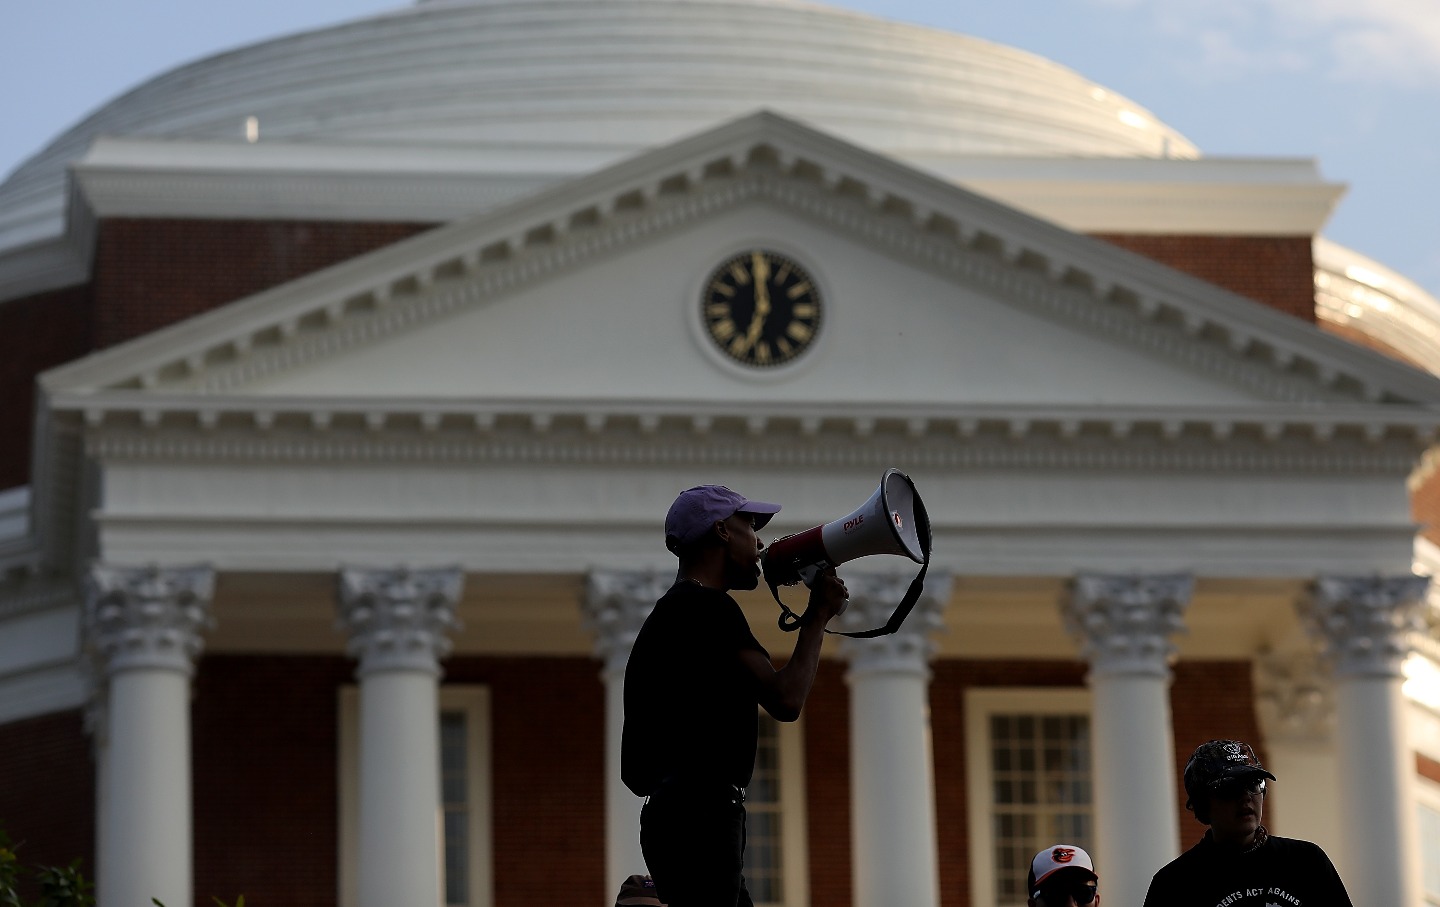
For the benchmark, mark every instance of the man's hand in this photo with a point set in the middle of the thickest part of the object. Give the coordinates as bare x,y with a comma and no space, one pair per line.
828,596
783,692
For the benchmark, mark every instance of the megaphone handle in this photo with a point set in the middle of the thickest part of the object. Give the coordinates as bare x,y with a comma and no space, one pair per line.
789,620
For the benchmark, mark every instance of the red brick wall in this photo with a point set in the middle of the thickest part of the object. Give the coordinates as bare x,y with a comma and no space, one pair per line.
148,274
151,273
265,733
47,792
1278,271
1427,768
947,721
36,334
1210,700
827,787
266,802
548,717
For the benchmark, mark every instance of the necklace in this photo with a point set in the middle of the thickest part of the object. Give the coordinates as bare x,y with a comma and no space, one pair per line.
1261,836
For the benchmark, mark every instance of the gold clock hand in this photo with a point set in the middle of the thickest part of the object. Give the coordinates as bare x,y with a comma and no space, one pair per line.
760,269
760,274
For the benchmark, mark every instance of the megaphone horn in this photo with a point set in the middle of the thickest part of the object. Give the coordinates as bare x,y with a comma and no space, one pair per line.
893,521
885,524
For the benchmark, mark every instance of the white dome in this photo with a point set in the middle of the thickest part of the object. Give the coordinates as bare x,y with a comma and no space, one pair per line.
609,76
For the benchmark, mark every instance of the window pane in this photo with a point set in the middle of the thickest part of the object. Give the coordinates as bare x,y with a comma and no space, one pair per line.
455,807
1040,773
764,850
1430,852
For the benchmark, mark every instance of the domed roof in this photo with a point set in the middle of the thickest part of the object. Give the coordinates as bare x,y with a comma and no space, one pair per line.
610,77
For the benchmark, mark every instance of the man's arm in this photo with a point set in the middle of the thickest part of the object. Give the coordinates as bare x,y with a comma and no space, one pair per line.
783,692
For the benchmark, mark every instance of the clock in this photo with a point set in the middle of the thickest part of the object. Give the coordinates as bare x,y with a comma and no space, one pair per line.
761,308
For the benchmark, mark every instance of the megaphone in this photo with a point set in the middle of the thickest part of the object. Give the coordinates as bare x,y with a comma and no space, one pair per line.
893,521
885,524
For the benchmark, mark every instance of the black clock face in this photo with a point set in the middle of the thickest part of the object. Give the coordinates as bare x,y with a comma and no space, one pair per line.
761,309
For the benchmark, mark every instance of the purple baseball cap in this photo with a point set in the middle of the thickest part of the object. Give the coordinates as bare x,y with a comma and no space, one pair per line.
699,508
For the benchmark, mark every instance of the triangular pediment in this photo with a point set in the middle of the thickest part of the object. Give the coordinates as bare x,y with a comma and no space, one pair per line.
932,296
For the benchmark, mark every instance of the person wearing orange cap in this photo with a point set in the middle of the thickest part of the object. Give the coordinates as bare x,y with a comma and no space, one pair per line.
1239,863
1063,875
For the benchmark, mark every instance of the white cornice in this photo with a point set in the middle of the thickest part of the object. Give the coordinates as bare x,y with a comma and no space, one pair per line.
1002,251
151,179
140,178
137,426
157,178
1206,196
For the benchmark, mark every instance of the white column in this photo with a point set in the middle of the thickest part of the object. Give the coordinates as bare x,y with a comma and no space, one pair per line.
1295,701
616,605
1123,625
892,776
398,620
143,626
1362,624
96,717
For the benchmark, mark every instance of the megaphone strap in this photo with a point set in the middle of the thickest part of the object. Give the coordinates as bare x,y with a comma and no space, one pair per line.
790,621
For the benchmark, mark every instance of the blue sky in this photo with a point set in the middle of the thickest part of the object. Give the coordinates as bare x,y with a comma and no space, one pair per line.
1352,83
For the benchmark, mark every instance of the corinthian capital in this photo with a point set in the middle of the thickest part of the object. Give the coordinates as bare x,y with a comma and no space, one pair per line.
398,618
616,605
1124,623
873,598
146,617
1362,622
1295,698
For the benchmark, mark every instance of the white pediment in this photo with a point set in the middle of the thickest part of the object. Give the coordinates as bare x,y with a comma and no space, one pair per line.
934,296
627,326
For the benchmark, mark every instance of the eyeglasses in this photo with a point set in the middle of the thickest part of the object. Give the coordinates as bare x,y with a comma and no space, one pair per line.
1055,895
1236,788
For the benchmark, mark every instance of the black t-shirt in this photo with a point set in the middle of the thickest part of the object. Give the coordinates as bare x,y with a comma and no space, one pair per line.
689,701
1282,871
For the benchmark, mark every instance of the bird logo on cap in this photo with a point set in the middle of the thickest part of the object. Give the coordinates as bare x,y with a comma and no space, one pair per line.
1062,854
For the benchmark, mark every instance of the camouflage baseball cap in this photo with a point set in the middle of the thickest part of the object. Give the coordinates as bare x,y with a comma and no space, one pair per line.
1216,761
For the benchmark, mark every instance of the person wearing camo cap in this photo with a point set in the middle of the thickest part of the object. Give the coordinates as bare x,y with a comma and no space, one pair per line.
1239,863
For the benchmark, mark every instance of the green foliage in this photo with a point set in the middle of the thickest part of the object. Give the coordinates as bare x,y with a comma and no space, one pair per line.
9,873
59,886
239,902
64,887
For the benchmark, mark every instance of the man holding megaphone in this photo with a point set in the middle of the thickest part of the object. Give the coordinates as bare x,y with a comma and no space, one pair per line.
695,677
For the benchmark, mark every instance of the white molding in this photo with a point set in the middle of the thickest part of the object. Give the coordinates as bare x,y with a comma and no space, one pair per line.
1282,439
1205,196
43,691
138,178
980,704
795,833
